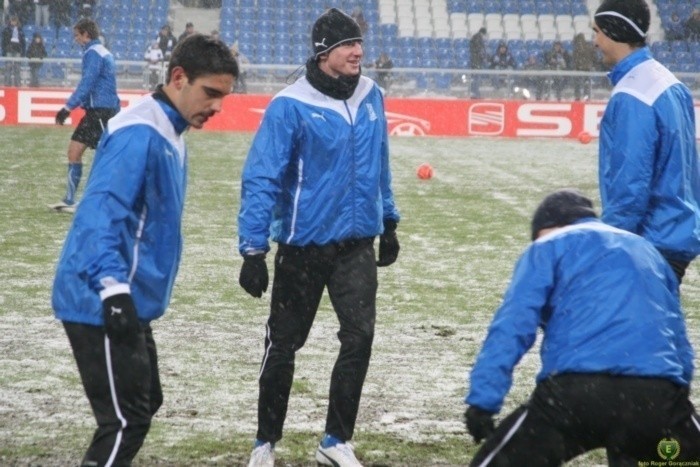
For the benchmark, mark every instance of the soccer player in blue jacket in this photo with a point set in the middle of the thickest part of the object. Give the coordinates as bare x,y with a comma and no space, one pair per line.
97,94
317,181
616,362
649,175
119,261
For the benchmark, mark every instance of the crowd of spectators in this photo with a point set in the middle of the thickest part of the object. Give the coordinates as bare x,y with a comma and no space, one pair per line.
679,29
580,56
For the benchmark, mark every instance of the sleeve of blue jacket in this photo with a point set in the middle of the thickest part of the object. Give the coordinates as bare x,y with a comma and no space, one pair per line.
265,165
388,204
112,190
90,74
512,331
627,167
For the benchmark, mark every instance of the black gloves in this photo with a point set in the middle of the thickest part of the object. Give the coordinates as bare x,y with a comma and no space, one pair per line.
62,115
479,423
253,276
388,244
121,321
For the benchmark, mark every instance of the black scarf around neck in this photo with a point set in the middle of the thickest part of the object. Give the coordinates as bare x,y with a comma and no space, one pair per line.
338,88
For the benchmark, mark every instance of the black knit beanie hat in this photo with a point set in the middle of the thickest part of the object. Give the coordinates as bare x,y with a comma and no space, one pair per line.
331,29
624,20
563,207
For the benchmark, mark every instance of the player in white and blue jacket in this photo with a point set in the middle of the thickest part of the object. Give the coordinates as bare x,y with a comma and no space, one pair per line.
616,361
649,175
97,94
317,181
116,272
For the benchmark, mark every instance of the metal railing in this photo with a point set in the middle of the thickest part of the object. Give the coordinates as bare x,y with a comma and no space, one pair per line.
401,82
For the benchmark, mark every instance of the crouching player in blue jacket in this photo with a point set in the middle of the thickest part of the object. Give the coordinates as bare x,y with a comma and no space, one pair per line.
120,258
616,361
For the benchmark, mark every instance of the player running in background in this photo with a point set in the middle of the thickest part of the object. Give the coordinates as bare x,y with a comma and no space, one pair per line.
97,94
616,362
119,261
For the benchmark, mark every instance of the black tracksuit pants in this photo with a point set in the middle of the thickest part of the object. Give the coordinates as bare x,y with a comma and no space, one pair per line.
349,271
571,414
122,384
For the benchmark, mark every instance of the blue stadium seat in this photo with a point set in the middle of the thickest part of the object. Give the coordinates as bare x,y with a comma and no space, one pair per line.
443,80
544,7
579,8
678,46
492,6
528,7
665,57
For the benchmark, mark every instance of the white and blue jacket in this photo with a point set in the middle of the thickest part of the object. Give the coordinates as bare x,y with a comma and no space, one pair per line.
98,84
318,170
607,302
648,166
125,237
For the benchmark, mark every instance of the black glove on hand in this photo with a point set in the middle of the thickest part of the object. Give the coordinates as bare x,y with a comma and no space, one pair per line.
479,423
62,115
121,321
388,244
253,276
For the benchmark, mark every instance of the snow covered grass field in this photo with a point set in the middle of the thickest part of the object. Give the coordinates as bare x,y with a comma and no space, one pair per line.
460,235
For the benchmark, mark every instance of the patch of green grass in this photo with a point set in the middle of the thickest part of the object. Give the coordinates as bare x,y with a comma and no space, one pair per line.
460,234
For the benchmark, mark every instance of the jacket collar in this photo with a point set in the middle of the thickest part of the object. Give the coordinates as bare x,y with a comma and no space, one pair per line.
178,121
626,64
91,43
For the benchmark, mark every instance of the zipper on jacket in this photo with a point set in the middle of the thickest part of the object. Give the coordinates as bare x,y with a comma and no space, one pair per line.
354,165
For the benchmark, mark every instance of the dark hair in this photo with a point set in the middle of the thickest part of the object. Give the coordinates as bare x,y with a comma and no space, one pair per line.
201,55
86,25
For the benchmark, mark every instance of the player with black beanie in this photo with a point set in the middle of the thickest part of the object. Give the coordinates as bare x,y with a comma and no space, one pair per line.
317,181
648,171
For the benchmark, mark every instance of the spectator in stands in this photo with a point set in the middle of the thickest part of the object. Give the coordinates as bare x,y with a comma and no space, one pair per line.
240,86
215,35
13,46
22,9
41,13
649,174
478,57
675,29
692,26
189,30
60,12
166,41
584,59
86,8
533,83
359,17
502,60
558,59
36,52
97,94
383,64
154,58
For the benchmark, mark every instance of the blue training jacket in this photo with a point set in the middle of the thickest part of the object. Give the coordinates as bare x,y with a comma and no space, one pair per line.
125,237
648,166
607,302
318,170
98,84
